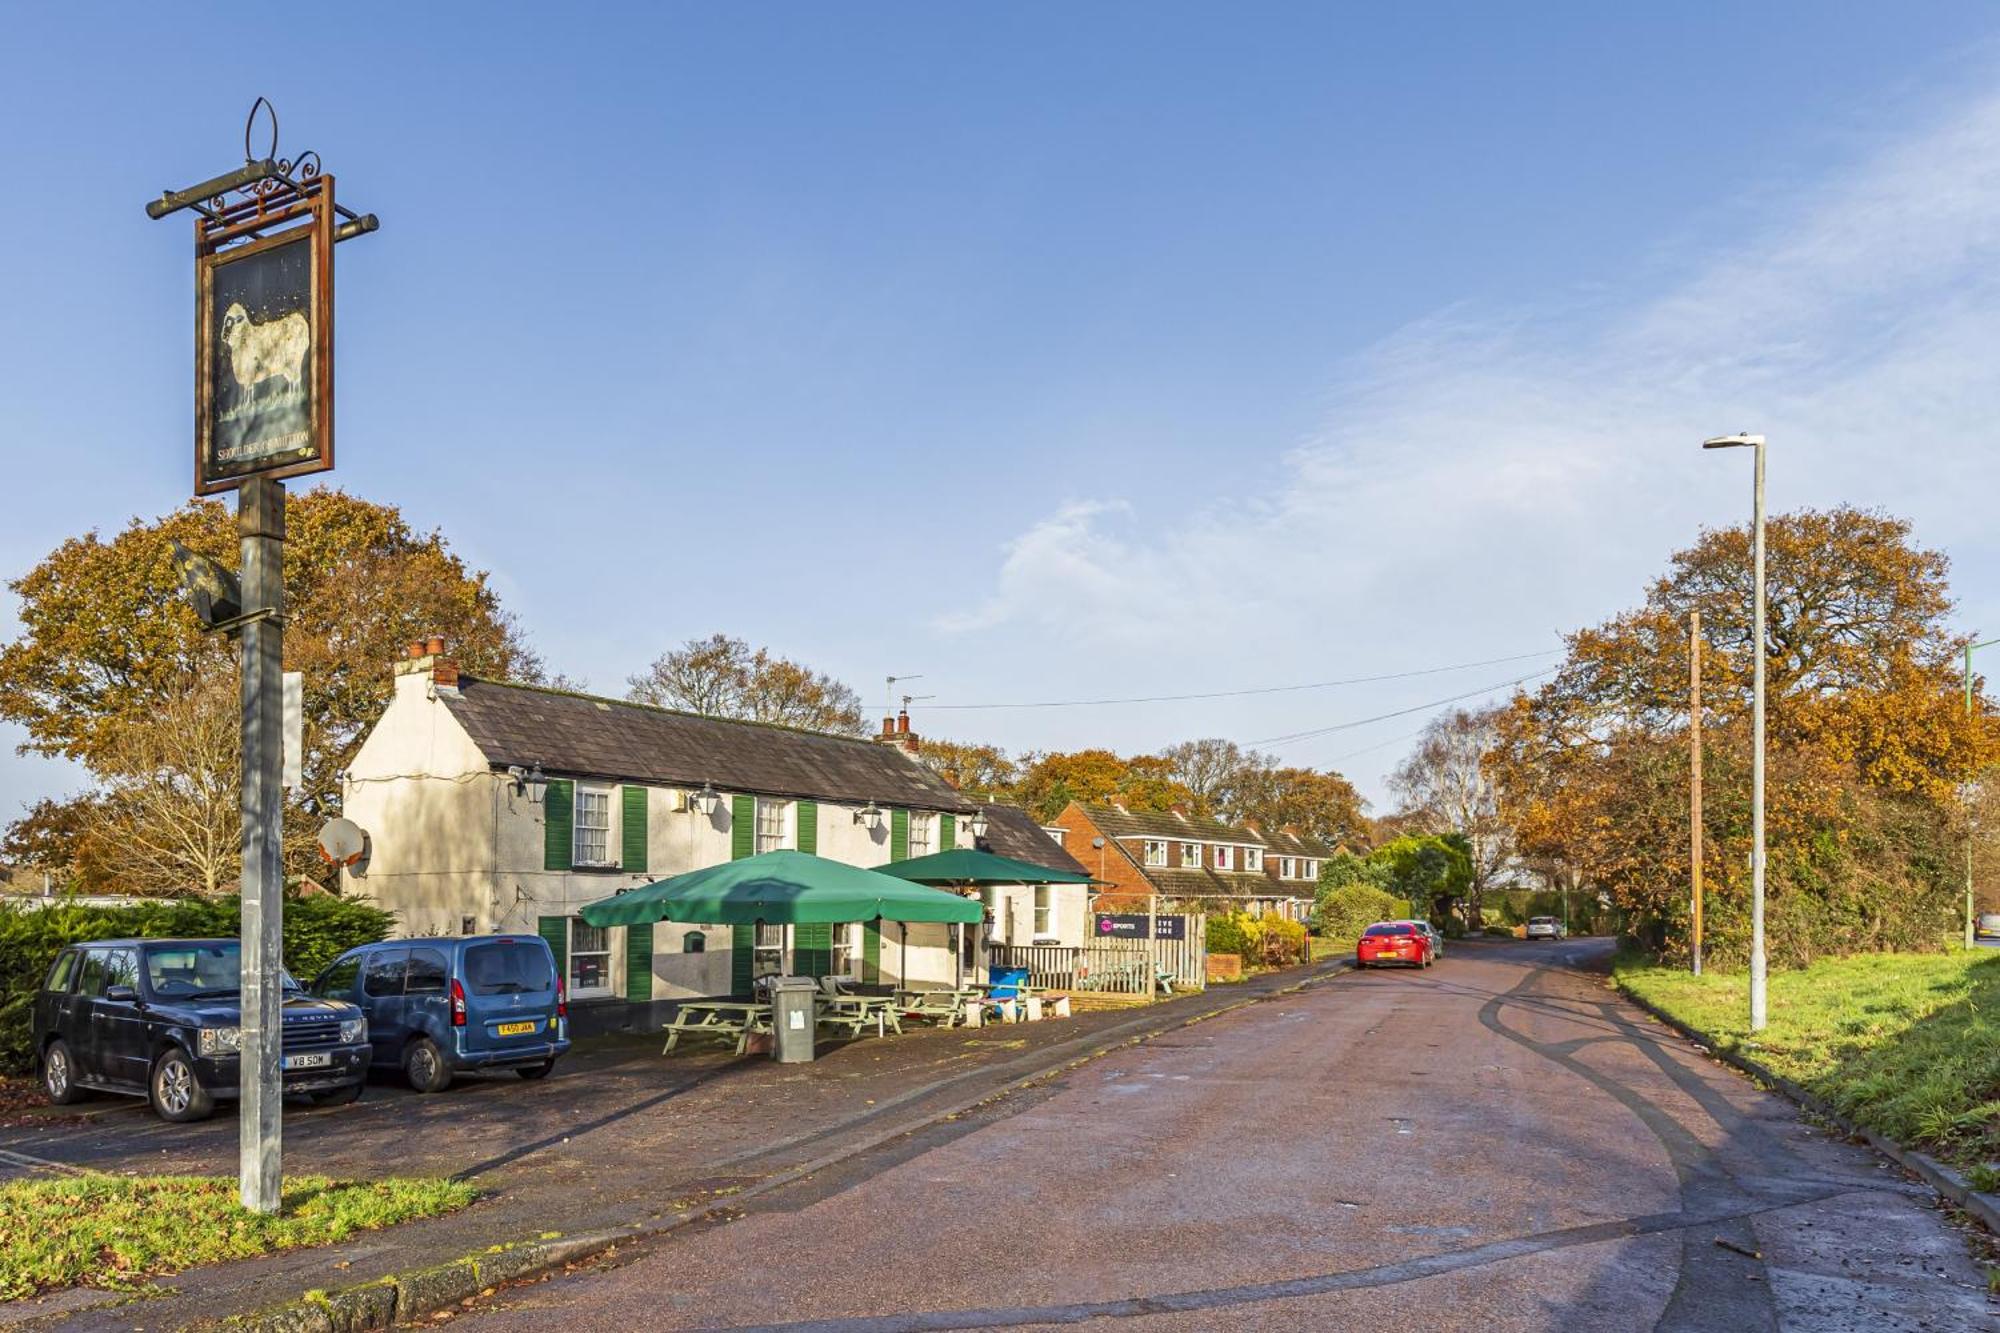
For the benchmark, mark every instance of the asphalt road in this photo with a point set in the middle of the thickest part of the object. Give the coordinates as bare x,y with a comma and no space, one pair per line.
1498,1143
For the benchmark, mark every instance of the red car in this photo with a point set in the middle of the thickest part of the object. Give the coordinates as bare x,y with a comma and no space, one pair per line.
1394,943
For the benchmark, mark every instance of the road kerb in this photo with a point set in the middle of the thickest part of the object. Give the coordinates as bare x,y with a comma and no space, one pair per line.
425,1291
1945,1180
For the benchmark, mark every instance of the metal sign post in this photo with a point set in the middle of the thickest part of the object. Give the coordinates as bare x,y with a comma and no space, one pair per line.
264,237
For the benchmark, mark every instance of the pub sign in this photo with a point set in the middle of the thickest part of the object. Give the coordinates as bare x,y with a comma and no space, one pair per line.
264,337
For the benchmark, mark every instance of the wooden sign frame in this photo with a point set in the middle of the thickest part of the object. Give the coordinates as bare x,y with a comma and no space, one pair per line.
258,228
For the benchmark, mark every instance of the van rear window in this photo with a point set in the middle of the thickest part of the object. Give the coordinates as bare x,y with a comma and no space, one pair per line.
509,967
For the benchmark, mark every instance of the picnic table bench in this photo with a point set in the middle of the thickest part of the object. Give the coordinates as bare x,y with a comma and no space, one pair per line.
719,1020
854,1012
943,1007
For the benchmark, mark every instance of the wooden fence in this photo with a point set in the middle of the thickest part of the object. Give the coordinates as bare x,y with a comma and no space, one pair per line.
1113,966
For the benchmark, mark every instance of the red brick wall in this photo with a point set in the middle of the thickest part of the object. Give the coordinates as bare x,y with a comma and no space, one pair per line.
1125,886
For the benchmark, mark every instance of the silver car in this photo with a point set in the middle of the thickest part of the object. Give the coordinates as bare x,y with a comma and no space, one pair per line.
1545,928
1437,937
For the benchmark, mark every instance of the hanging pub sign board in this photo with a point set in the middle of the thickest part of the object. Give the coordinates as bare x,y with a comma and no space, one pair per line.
264,335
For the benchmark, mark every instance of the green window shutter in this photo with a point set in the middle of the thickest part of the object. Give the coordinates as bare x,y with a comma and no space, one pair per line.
812,949
555,929
558,814
639,962
742,827
871,953
899,835
947,832
741,959
632,830
808,816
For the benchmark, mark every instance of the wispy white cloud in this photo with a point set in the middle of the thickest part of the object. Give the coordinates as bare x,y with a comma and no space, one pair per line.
1485,479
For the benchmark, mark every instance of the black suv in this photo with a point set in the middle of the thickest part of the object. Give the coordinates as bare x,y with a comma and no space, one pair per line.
159,1018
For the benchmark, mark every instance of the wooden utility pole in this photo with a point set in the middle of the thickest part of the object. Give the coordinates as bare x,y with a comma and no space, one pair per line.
1694,760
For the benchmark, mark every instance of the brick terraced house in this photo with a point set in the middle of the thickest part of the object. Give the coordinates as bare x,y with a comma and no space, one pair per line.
1190,862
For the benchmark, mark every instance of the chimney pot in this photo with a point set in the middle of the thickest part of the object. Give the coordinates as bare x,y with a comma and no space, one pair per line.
888,726
436,646
414,649
903,722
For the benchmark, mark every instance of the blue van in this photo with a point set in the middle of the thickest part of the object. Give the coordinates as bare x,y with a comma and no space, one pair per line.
449,1006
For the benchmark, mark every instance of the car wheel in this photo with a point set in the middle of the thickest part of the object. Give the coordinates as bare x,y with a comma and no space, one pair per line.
424,1066
59,1074
337,1096
176,1091
542,1070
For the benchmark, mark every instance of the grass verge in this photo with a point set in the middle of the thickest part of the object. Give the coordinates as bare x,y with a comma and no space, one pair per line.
119,1231
1323,949
1905,1044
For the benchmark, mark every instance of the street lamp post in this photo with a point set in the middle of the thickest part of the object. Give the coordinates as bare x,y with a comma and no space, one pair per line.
1970,937
1757,647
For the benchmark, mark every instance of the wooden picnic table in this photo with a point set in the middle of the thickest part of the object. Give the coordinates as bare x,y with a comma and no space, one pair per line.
946,1004
722,1020
854,1011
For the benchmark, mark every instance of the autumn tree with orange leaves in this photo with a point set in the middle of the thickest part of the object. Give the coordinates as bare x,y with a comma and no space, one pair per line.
1868,745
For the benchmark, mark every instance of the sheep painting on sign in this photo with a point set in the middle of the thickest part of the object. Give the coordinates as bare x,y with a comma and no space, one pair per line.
259,341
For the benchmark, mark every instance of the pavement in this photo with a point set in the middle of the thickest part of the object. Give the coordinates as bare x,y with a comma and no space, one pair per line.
1499,1143
618,1136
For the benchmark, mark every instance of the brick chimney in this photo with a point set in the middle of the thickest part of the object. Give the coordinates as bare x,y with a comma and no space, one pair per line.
424,662
896,731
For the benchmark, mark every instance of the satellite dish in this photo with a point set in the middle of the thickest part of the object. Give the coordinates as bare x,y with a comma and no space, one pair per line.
342,841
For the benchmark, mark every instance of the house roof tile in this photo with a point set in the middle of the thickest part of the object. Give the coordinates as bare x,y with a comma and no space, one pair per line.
579,735
1117,823
1183,882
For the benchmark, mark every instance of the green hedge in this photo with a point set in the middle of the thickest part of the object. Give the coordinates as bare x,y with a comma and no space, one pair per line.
317,929
1343,912
1225,935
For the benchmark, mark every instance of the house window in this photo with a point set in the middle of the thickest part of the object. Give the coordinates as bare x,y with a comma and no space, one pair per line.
1253,858
592,826
1289,867
1044,912
1191,855
773,824
1156,853
1223,859
847,950
589,956
923,834
1312,870
767,957
1056,833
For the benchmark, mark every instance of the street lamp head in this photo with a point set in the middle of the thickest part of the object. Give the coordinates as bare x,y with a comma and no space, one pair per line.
1743,441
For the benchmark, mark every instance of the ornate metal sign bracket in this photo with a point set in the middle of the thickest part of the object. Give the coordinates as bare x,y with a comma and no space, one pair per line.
268,190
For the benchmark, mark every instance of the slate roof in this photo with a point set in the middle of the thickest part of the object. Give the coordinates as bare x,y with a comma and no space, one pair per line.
1116,823
1012,831
581,736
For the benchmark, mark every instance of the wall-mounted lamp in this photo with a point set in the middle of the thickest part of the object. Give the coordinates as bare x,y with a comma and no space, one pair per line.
977,824
704,801
532,781
870,815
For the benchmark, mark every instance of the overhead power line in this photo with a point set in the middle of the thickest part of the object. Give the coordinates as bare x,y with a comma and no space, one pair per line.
1265,689
1400,712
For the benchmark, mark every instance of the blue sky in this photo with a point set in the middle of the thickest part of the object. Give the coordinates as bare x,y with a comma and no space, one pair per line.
1050,351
